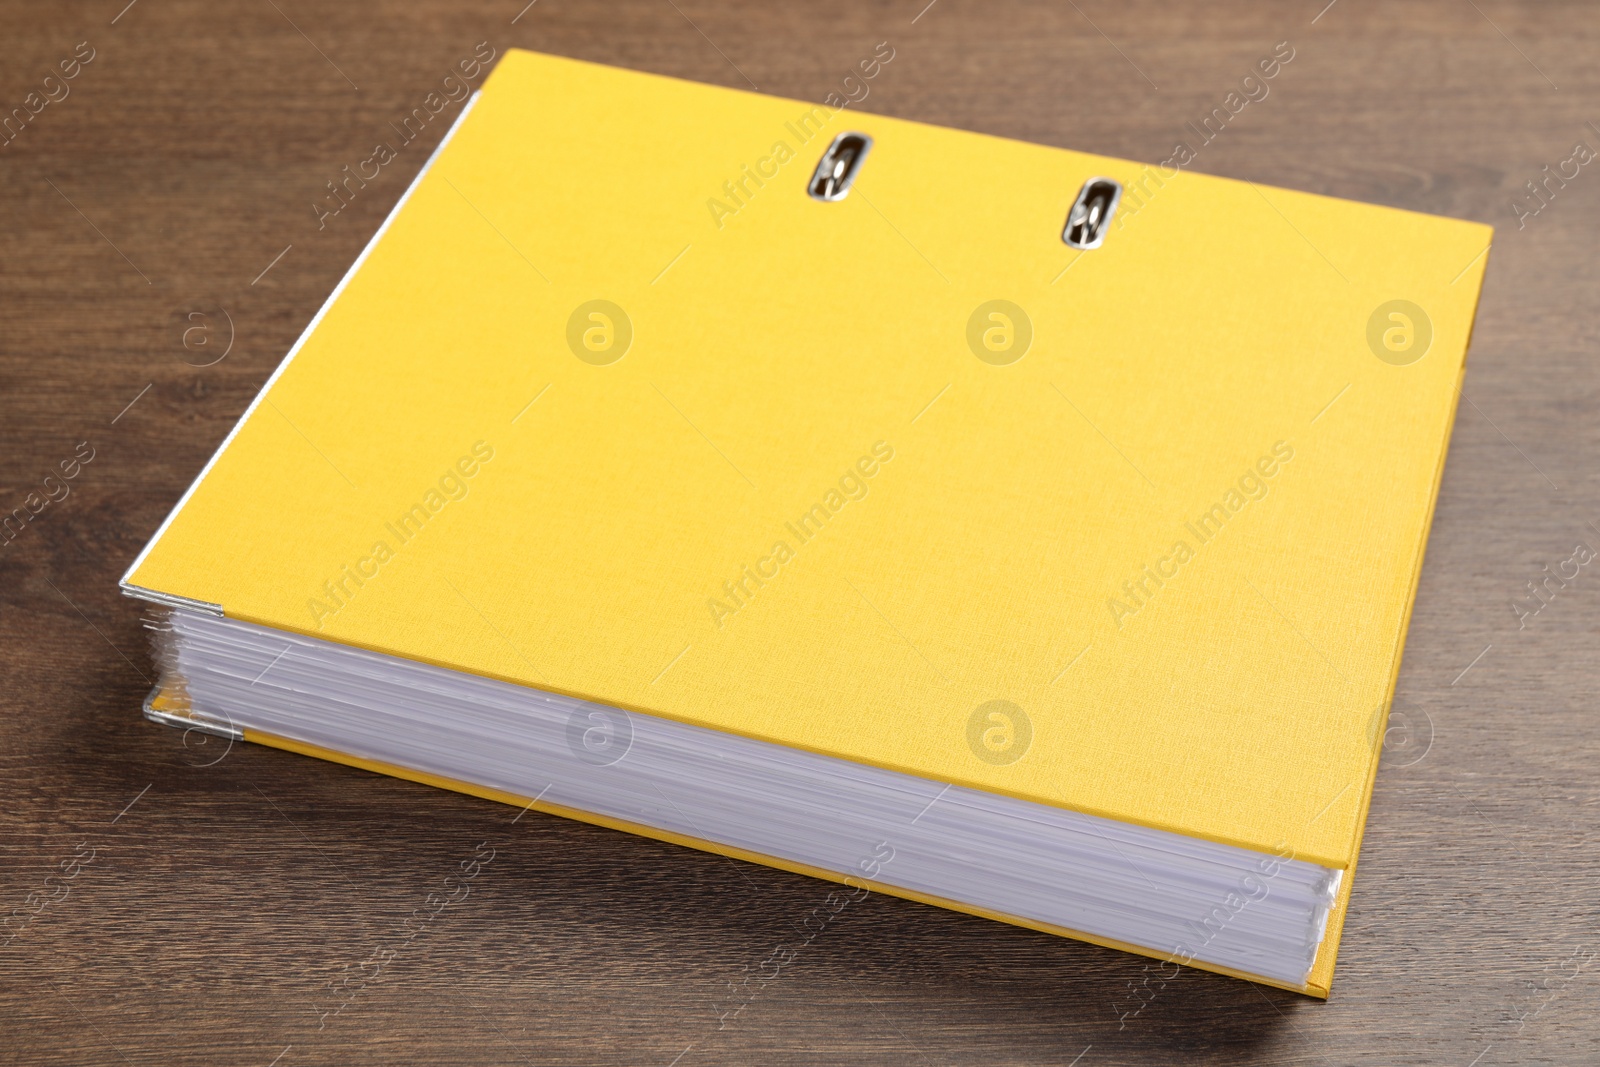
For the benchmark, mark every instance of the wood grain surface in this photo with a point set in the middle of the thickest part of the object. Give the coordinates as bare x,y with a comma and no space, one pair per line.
215,905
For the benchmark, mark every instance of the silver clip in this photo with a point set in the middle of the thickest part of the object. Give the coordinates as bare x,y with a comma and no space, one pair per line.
1091,213
170,600
838,166
189,722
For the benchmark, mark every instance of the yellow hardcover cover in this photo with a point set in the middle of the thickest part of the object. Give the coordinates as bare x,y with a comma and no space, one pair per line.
611,407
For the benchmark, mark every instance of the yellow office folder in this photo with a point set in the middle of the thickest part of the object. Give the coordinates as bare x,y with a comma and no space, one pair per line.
1116,517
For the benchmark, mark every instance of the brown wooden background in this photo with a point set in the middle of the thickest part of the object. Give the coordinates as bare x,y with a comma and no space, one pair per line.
227,890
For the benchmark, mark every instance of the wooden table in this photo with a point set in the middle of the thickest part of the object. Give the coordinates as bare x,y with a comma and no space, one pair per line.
161,254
